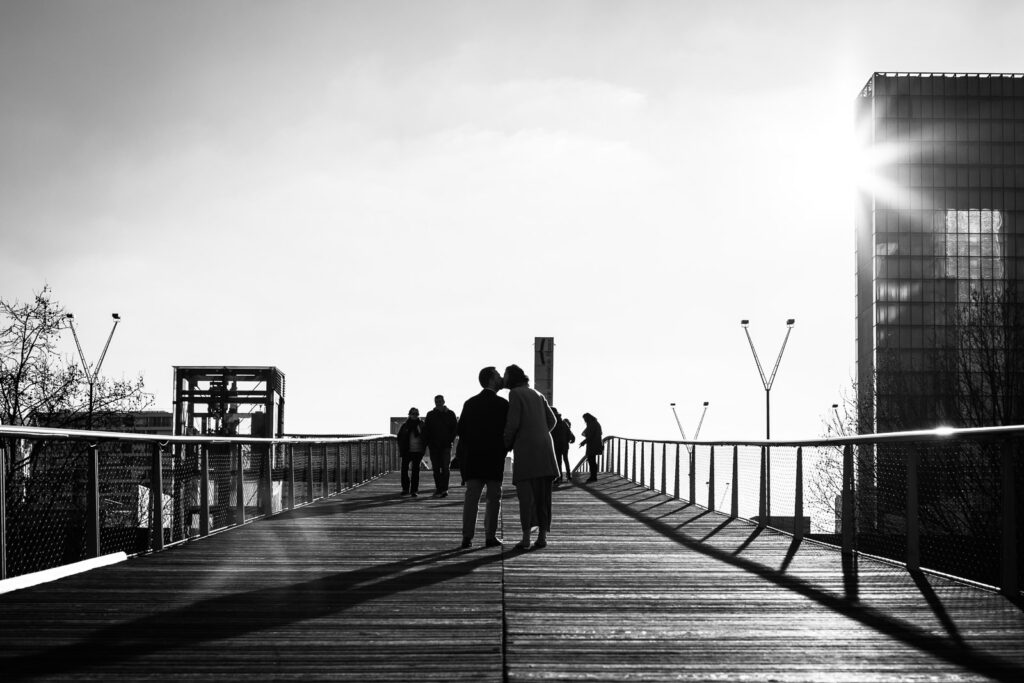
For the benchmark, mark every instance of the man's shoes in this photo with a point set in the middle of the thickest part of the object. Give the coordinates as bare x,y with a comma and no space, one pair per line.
405,493
591,479
437,494
468,543
540,543
414,495
523,545
493,543
444,494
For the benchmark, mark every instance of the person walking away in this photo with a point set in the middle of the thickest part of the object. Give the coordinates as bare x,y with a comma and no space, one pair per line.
439,432
562,436
528,436
481,454
411,446
593,440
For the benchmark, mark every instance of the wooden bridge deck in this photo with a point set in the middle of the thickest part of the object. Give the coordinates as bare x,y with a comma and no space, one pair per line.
633,586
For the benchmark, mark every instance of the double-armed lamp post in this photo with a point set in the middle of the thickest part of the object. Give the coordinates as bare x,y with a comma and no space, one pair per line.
91,375
767,382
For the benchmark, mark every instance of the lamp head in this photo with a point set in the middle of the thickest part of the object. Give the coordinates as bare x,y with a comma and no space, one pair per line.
705,404
835,406
115,316
744,323
791,322
70,316
672,404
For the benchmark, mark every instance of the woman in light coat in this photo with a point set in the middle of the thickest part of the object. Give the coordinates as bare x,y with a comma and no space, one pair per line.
528,435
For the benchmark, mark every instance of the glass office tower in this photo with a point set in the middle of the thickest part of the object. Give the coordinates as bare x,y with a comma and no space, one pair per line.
939,223
940,251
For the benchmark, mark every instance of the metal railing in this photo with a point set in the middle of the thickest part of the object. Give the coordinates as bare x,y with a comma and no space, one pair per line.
940,500
71,495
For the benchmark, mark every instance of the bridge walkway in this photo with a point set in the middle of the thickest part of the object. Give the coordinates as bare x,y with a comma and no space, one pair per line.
634,585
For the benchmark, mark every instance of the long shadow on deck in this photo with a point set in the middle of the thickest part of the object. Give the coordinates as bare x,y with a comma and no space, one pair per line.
245,612
951,649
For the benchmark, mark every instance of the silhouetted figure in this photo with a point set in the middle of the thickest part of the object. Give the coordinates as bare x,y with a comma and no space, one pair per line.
593,440
411,446
481,454
528,436
439,431
562,436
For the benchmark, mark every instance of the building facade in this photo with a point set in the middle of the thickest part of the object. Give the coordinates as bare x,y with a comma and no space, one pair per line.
940,251
939,222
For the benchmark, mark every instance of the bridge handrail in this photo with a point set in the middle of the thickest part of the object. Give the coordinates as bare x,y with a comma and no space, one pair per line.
22,432
71,494
857,439
908,496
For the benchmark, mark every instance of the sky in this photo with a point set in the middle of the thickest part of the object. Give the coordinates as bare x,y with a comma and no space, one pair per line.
380,198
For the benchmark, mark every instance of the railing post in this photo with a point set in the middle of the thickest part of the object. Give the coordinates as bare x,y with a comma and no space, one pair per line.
664,468
692,452
92,503
337,468
913,521
762,510
204,490
677,473
289,452
643,475
309,473
633,469
618,457
735,511
849,551
711,480
239,486
266,477
1010,579
798,496
156,494
3,512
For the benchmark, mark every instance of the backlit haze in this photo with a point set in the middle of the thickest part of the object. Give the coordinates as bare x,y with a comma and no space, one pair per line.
379,198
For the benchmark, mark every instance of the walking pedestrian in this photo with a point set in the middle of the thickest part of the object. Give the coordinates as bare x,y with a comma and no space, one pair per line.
439,432
528,436
411,446
562,436
481,453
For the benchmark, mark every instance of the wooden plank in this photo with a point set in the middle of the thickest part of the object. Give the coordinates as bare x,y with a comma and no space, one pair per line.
633,585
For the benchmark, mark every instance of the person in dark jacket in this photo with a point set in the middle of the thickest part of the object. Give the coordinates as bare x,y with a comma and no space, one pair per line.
481,454
411,446
439,432
562,436
593,440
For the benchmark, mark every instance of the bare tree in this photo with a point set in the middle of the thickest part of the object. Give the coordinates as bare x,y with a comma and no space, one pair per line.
41,387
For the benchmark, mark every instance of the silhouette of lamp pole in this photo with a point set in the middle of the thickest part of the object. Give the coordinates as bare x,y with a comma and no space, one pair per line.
768,382
679,424
91,376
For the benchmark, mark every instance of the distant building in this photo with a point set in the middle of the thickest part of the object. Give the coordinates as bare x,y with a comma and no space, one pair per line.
940,248
939,222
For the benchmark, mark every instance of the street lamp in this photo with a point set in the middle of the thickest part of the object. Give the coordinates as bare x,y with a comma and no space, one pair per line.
91,377
682,433
768,381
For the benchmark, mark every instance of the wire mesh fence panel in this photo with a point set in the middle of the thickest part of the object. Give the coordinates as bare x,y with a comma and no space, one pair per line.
45,501
702,472
748,481
125,472
723,480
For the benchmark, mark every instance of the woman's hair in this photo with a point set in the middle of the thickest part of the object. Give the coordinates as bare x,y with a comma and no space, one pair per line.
516,376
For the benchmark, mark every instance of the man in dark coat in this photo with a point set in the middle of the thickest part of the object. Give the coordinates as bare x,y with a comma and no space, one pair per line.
439,431
481,454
